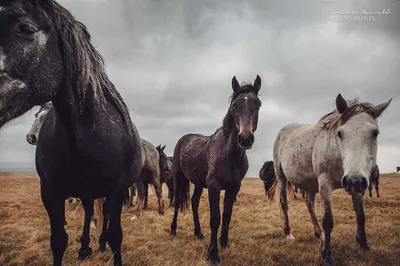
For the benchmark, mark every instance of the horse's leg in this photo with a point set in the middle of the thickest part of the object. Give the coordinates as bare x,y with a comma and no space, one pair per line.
294,193
146,195
325,190
198,190
158,188
282,181
114,230
55,208
303,194
214,194
370,188
103,235
170,192
311,209
377,187
230,196
358,205
85,251
179,187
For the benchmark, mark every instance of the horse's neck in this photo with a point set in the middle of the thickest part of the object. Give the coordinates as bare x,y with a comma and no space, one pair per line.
66,104
229,137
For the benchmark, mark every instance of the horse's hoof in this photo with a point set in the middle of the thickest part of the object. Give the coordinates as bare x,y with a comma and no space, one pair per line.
200,236
84,253
289,237
173,233
318,233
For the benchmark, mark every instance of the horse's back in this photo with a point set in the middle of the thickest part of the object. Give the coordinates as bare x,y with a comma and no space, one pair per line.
293,151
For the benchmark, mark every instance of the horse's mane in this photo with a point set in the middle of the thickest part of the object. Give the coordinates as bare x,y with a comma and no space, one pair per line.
83,65
334,119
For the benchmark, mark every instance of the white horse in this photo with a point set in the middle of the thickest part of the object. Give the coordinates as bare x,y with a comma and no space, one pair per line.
339,151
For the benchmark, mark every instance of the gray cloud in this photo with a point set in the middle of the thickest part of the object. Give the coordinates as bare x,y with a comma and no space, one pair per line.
173,62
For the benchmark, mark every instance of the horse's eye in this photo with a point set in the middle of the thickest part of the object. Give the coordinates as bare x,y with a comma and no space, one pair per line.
375,134
27,28
339,134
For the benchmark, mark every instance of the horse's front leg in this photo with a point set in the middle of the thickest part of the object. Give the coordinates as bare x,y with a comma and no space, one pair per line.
326,190
55,208
114,230
214,193
230,196
282,181
311,209
85,251
358,205
103,235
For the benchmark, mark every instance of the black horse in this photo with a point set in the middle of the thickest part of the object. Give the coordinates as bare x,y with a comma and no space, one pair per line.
88,147
217,162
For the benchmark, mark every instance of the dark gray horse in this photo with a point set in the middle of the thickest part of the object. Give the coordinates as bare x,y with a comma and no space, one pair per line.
150,174
88,146
217,162
374,181
398,169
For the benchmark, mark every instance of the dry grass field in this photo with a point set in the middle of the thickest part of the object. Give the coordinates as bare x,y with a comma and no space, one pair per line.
255,236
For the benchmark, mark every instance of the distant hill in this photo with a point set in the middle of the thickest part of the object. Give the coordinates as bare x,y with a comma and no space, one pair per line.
13,168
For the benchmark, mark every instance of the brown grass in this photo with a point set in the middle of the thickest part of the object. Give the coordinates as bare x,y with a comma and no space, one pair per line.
255,236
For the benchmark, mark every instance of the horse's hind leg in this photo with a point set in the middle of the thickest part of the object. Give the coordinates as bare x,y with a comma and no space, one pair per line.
198,190
103,235
170,192
358,205
230,195
310,199
158,188
85,251
294,193
55,208
283,183
180,185
146,195
370,189
114,230
377,188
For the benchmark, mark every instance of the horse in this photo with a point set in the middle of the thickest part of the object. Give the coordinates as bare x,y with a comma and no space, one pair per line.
170,181
339,151
374,180
217,162
150,174
166,172
398,169
32,137
267,175
88,146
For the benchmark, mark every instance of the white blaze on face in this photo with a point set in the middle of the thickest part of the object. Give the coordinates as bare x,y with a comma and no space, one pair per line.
41,38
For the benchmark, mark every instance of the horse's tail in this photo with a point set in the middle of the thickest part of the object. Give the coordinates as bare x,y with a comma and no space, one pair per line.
272,191
98,213
183,188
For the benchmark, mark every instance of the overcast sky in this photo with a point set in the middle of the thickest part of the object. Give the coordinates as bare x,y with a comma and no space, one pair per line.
173,62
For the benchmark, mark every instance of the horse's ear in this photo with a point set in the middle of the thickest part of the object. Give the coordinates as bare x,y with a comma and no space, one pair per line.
257,83
381,107
235,84
158,147
341,104
163,147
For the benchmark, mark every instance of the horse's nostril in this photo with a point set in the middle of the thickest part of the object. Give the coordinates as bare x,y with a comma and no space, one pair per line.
33,137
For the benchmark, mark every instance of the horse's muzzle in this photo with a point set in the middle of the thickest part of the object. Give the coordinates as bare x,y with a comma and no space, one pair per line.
246,140
31,138
353,184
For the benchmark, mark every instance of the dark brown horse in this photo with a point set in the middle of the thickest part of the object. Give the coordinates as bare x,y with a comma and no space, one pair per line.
217,162
374,181
397,169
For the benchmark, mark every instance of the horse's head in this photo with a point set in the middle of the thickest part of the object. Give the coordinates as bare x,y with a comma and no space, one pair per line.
40,115
267,175
357,133
163,159
244,108
30,56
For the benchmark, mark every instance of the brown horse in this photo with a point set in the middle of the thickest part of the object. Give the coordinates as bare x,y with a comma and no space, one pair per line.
150,175
217,162
166,172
